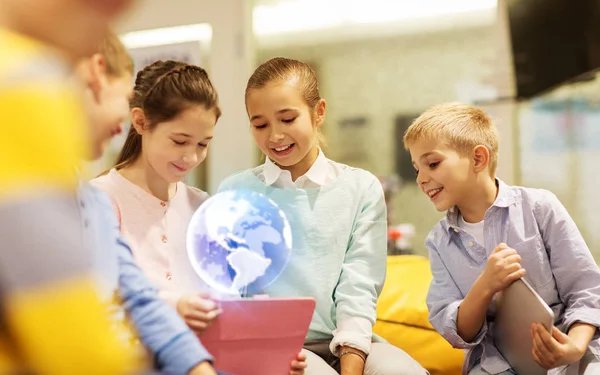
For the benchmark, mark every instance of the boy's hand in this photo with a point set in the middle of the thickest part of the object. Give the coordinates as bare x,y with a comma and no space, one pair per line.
198,311
553,350
298,365
203,368
502,268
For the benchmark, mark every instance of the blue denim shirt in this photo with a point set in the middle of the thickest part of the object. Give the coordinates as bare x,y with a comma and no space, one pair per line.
175,348
559,266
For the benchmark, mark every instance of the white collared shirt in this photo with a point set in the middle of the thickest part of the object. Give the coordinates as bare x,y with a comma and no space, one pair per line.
322,173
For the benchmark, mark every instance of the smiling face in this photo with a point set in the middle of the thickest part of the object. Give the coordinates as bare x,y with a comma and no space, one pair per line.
283,125
173,148
443,174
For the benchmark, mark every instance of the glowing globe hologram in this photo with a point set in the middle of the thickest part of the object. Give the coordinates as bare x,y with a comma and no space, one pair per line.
239,242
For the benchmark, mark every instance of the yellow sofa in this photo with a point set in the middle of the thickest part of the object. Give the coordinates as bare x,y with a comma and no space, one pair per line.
402,316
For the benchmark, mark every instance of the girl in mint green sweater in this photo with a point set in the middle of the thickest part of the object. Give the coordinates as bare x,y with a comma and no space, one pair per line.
338,219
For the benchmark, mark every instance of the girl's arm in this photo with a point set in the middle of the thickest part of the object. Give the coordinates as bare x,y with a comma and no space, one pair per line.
363,274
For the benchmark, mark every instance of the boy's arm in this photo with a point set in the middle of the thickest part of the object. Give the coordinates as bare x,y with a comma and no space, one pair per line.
461,320
363,274
472,311
567,251
177,350
52,312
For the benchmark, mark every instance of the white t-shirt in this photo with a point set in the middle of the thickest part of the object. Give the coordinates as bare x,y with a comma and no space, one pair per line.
474,229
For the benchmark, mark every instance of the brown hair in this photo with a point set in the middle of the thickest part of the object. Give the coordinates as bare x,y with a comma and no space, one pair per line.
118,61
460,126
163,90
281,69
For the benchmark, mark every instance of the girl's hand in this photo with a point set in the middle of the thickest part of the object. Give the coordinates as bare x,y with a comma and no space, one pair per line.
203,368
198,312
352,364
298,365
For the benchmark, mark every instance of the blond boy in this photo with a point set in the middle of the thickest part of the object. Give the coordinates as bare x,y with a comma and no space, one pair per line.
492,235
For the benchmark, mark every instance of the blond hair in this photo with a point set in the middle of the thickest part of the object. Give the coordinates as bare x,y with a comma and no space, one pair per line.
118,60
281,69
460,126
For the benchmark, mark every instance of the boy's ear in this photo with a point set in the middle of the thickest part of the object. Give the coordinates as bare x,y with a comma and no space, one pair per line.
138,120
481,158
97,74
320,110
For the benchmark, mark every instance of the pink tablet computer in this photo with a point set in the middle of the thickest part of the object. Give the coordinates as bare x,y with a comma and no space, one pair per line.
259,336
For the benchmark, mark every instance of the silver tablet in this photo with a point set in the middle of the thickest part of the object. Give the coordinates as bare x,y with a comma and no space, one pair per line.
517,308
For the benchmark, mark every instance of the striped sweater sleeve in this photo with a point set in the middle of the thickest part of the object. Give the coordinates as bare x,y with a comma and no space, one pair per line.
53,316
